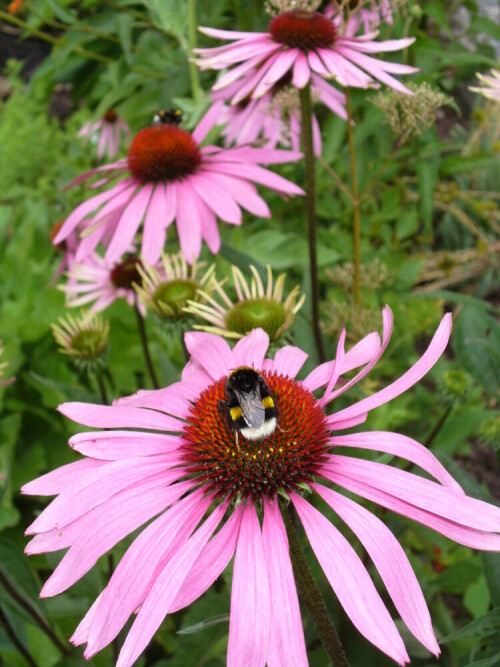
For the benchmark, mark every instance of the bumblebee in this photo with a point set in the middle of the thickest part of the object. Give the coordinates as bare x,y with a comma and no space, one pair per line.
250,408
168,117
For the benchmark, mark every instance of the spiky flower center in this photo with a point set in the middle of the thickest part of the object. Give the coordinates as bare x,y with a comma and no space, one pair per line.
110,116
172,297
87,344
163,153
287,457
126,273
303,29
261,312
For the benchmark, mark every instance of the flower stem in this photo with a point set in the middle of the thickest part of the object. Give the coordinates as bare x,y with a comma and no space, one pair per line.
311,595
439,425
145,347
355,203
193,70
9,631
308,148
102,388
35,615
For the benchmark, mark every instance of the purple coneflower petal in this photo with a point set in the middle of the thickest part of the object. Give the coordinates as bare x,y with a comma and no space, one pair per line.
286,645
251,350
136,572
109,416
391,562
411,377
301,71
250,597
116,445
402,446
211,352
62,478
129,224
211,562
164,590
350,581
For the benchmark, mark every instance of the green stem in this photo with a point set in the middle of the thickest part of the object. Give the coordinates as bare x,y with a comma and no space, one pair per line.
102,388
193,70
9,631
311,595
35,615
145,347
310,164
355,203
438,426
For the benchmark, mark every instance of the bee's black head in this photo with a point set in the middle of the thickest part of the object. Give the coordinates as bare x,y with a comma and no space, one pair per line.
168,117
243,379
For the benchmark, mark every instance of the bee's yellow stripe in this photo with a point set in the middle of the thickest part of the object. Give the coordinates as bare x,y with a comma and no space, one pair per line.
235,413
268,402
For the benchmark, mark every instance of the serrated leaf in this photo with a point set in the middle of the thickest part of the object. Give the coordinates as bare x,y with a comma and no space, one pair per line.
487,625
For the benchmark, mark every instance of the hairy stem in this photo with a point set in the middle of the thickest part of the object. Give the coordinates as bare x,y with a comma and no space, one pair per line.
145,347
307,147
311,595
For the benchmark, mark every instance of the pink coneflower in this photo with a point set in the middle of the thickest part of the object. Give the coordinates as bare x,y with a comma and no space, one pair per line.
167,177
100,282
274,118
307,44
107,132
170,457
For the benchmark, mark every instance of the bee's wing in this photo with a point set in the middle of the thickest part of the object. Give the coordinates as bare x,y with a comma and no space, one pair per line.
254,413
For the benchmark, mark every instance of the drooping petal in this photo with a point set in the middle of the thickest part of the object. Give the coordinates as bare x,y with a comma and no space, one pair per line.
250,603
391,562
129,224
399,445
188,222
470,537
62,478
136,572
110,416
420,492
350,581
411,377
287,645
164,589
211,562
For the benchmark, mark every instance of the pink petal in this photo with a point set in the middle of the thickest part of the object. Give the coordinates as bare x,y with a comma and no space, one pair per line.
360,354
153,235
81,633
391,562
470,537
287,645
99,485
128,224
188,221
235,73
243,192
289,360
167,400
62,478
209,120
251,350
103,527
411,377
115,445
250,601
109,416
420,492
164,590
350,581
374,67
258,175
230,34
216,198
376,47
81,212
211,352
301,71
211,562
139,567
399,445
282,62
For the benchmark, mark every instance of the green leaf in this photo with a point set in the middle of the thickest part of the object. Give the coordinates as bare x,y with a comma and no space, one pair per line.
437,12
491,661
458,165
485,626
427,172
171,17
491,562
453,297
241,260
477,598
477,345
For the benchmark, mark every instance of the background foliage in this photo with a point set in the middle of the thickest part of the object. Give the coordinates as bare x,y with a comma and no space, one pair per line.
430,241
